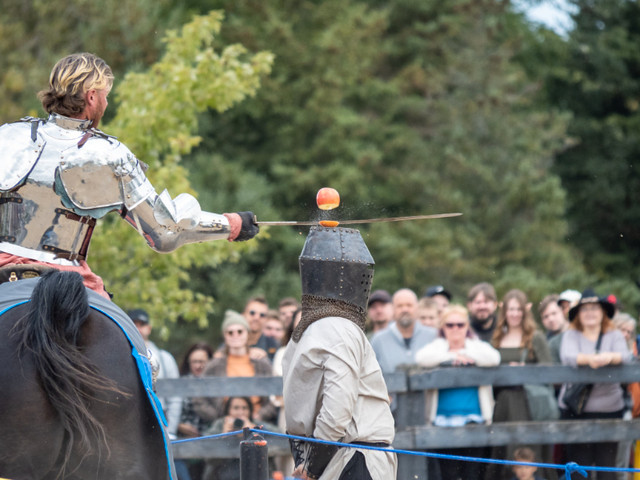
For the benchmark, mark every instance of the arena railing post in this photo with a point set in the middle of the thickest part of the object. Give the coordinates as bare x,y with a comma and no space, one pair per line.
254,457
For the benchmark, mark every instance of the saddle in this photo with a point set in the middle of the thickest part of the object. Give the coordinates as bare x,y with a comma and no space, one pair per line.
15,272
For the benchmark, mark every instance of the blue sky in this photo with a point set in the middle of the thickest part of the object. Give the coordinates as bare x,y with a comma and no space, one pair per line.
552,13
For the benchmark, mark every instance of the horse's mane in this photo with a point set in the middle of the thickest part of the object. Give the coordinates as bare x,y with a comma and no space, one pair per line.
58,308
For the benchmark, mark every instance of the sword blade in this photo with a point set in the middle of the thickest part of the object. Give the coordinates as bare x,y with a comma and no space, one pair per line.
364,220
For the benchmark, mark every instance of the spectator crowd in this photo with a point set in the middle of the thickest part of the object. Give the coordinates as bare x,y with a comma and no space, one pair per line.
572,328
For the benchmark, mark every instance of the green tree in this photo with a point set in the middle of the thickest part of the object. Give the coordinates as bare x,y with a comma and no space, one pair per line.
597,79
405,108
299,133
127,33
157,120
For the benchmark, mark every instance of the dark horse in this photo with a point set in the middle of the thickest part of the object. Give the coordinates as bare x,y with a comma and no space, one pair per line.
72,405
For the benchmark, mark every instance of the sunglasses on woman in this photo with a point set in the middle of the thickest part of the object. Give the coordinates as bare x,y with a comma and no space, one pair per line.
455,325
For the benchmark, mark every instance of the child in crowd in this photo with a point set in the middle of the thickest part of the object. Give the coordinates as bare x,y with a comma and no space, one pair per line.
428,313
525,472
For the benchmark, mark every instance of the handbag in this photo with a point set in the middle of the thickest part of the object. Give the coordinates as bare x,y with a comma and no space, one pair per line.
576,394
542,402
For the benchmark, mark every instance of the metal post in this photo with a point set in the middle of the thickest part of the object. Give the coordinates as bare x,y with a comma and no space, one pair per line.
254,457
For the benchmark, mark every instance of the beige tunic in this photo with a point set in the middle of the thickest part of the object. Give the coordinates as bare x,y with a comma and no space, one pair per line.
334,390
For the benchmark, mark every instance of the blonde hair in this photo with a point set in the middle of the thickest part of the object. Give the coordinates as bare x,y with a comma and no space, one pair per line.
453,309
70,79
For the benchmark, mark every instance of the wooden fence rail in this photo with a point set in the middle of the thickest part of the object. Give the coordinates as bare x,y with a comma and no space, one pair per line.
408,386
411,378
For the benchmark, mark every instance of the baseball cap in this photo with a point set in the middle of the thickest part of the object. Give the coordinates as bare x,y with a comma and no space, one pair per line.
437,290
571,296
139,315
379,296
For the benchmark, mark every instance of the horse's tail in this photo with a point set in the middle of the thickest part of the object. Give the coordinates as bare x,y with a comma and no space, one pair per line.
58,308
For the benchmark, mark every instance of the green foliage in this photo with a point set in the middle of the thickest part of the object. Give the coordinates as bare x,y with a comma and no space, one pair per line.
404,108
157,120
35,34
596,78
297,135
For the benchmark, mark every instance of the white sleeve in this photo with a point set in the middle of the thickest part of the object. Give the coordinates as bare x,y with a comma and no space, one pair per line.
434,353
482,353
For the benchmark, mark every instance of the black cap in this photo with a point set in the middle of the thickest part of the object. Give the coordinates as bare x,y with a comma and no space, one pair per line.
139,315
437,290
379,296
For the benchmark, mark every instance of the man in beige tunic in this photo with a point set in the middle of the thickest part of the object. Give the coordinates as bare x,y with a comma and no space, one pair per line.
333,385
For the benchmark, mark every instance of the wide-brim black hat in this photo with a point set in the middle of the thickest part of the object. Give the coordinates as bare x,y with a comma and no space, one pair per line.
589,296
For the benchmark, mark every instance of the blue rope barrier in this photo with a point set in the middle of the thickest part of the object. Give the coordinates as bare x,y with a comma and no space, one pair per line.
569,468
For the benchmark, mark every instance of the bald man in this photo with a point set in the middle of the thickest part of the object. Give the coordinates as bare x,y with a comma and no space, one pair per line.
398,344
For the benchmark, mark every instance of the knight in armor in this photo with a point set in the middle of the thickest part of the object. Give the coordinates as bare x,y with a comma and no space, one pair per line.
332,384
59,175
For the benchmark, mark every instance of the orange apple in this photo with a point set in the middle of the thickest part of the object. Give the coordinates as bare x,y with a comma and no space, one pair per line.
328,223
327,198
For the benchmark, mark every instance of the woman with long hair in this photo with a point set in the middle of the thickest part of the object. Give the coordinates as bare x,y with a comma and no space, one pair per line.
193,364
517,332
519,341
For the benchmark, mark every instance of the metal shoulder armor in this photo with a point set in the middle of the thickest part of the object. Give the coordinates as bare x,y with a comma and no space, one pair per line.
101,175
20,148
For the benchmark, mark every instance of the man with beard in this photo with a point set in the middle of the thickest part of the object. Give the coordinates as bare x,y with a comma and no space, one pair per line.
482,303
398,344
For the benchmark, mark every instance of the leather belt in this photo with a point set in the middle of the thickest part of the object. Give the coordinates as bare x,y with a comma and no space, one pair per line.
371,444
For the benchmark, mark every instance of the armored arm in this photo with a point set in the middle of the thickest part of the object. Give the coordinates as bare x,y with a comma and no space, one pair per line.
168,223
115,180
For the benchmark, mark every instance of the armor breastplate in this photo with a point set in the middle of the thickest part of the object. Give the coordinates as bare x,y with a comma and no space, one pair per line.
34,222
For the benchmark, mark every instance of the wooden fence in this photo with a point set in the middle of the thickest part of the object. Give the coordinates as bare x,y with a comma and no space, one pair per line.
412,433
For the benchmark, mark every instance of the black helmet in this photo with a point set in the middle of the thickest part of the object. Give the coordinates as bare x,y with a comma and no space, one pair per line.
335,263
